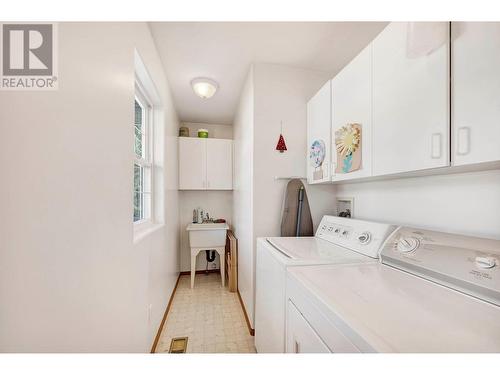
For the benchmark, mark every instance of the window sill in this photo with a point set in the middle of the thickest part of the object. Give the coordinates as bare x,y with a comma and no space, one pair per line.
145,230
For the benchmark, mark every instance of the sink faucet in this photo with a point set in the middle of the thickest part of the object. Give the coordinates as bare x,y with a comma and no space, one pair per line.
208,219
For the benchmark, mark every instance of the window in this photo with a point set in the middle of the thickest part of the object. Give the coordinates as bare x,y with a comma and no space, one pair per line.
143,163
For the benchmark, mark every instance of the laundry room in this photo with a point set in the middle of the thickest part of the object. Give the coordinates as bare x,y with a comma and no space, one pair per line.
228,187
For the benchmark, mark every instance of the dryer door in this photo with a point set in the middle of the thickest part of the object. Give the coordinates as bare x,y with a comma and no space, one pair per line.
300,336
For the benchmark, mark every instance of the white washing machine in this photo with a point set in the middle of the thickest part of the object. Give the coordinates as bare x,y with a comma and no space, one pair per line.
337,241
432,292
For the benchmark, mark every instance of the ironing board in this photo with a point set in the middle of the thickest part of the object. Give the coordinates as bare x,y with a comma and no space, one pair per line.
290,210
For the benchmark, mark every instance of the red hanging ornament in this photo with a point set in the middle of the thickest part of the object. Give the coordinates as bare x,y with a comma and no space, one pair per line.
281,146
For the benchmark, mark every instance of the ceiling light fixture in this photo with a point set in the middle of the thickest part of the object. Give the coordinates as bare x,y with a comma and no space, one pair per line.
204,87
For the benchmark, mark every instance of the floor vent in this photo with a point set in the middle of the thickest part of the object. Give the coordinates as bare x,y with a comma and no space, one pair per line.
178,345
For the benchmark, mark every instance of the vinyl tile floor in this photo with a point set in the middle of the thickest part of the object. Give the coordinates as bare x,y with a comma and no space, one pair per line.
209,315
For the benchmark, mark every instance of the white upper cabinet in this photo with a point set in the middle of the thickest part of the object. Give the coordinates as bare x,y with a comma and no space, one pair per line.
475,92
205,164
192,163
318,136
410,97
352,119
219,164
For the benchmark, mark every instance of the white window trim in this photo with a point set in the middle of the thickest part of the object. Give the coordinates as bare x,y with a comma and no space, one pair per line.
148,160
147,88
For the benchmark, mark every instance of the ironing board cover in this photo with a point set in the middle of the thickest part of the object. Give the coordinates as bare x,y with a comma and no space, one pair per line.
290,208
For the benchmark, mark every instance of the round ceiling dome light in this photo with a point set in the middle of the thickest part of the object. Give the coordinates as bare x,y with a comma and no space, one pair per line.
204,87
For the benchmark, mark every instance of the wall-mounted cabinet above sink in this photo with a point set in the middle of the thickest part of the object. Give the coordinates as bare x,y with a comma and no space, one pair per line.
205,164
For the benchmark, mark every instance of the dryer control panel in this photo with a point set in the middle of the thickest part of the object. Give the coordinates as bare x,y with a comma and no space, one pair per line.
468,264
365,237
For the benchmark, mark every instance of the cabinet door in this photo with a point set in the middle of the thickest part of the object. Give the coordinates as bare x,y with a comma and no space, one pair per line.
318,136
219,164
411,97
352,109
300,336
192,163
475,92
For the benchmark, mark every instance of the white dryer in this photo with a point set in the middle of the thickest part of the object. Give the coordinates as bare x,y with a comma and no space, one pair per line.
432,292
338,240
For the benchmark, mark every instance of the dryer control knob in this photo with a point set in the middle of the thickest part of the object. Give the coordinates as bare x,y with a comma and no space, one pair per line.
364,238
405,245
486,262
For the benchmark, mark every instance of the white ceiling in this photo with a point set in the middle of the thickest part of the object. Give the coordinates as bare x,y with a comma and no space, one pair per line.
225,51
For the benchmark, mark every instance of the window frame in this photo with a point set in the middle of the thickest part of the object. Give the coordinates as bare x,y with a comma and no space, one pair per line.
146,162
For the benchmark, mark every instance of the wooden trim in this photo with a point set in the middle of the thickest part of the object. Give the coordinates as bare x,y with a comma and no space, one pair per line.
158,334
184,273
250,329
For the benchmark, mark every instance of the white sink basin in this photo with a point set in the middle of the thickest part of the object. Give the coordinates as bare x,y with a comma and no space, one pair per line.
207,235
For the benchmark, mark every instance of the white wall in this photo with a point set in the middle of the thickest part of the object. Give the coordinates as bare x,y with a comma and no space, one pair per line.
243,190
162,245
279,93
219,204
467,203
71,279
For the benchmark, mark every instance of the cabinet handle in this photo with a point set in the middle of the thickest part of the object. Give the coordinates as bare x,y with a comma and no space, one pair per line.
296,346
463,140
436,146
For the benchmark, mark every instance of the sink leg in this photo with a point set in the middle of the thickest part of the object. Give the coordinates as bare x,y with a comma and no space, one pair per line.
222,261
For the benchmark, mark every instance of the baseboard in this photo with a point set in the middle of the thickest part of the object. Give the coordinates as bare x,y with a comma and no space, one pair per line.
184,273
250,329
158,334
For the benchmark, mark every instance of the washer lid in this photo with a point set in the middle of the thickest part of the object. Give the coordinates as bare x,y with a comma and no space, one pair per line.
313,249
383,309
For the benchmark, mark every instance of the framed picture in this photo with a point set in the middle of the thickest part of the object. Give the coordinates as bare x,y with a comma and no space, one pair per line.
348,145
317,154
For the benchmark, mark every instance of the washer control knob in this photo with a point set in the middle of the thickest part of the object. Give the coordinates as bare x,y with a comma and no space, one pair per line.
486,262
364,238
408,244
345,233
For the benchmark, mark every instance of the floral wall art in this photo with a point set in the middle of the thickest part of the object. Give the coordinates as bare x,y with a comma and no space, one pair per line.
317,154
348,147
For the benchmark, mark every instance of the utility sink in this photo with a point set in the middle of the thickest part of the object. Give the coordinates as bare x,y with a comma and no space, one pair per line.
207,235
